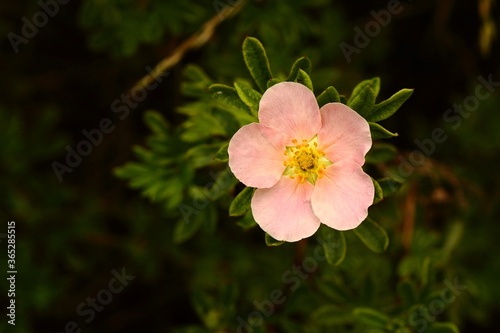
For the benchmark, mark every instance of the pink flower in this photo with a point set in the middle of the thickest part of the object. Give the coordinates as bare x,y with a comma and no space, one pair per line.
305,163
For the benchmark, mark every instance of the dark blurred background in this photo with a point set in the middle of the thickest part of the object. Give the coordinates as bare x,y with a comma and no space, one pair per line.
71,235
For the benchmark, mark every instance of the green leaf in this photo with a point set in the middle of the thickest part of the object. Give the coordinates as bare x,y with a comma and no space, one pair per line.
271,241
378,132
196,81
219,185
333,243
389,185
249,96
187,227
329,95
443,328
372,235
228,96
373,83
381,153
371,317
388,107
255,58
272,82
247,222
329,315
304,78
241,203
202,155
222,154
407,293
426,274
363,102
343,99
156,123
379,193
302,63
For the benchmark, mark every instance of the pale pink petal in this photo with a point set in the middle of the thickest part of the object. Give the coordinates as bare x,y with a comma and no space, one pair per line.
292,110
344,135
342,196
254,157
284,210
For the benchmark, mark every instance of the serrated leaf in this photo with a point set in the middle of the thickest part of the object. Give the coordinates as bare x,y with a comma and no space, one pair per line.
249,96
255,58
388,107
379,193
228,96
272,242
371,317
303,77
381,153
442,328
333,243
329,95
222,154
241,203
378,132
389,185
363,102
374,83
372,235
302,63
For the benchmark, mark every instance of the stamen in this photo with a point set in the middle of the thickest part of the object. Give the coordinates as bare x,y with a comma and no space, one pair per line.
305,161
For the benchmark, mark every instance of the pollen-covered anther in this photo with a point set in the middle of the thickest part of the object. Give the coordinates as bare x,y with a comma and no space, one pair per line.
305,161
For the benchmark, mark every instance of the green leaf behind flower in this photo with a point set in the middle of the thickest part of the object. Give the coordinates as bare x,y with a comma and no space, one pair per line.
378,132
333,243
257,63
303,77
229,96
271,241
249,96
241,203
388,107
372,235
302,63
329,95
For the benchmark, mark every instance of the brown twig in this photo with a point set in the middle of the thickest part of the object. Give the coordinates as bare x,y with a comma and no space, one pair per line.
195,41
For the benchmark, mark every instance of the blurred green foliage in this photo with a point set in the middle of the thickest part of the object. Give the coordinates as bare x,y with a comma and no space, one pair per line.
203,275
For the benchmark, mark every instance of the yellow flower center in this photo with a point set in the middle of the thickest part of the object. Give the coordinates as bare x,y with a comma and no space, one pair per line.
305,161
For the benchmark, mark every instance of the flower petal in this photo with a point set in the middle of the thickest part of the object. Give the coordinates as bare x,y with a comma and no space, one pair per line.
254,158
292,110
284,210
344,135
342,196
